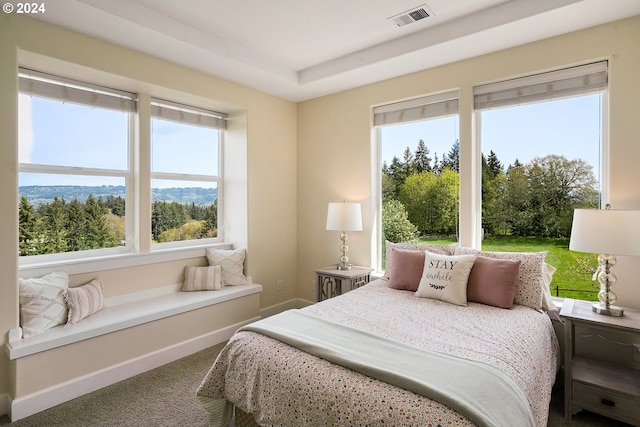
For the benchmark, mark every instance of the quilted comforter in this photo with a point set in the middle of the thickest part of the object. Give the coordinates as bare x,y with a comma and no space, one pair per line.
282,386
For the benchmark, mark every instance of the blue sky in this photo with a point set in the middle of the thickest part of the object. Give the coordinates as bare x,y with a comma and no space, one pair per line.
97,138
570,127
66,134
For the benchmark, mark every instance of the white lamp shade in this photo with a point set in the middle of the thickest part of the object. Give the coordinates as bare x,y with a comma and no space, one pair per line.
606,231
344,216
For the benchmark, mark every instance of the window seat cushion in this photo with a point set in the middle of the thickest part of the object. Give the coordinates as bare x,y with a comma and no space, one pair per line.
123,312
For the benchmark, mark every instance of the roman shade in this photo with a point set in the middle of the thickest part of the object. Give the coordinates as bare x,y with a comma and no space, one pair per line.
426,107
35,83
167,110
564,83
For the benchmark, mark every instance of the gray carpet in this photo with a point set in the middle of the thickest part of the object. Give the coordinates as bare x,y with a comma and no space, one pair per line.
166,397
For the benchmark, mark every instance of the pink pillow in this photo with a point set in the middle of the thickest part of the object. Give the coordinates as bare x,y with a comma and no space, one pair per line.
406,269
493,281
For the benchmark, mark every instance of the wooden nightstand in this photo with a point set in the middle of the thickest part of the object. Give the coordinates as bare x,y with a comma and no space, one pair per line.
331,282
599,386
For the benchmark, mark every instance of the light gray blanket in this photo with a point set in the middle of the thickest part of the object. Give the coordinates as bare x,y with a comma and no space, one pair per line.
478,391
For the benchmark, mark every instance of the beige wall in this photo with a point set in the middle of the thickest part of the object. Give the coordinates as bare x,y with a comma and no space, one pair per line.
335,142
260,167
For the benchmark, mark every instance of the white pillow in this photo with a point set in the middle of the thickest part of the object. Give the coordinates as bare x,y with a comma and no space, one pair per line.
231,263
445,277
202,278
42,302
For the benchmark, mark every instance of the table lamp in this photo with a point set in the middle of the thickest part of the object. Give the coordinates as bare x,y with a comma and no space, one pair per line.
343,216
607,232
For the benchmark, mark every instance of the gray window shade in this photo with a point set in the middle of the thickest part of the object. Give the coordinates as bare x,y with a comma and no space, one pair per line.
167,110
48,86
427,107
574,81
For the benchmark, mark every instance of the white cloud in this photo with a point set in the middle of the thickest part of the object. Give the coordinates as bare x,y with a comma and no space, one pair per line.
25,129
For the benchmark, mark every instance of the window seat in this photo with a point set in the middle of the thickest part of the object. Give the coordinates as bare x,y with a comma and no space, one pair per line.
123,312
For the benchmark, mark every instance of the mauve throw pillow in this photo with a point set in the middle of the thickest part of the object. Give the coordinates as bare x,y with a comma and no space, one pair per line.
493,281
406,269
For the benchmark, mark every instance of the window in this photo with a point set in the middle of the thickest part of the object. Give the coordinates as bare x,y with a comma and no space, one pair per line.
78,196
185,169
74,173
542,145
419,188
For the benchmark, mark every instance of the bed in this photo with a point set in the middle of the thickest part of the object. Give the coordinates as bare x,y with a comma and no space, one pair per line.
280,383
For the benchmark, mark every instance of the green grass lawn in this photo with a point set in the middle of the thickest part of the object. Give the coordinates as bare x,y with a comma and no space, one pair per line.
574,269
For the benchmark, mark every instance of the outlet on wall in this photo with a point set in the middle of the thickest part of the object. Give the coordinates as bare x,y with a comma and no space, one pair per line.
636,352
279,285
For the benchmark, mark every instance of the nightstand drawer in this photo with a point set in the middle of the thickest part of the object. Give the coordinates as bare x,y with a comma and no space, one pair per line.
608,403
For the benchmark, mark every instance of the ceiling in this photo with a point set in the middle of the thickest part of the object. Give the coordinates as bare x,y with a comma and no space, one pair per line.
302,49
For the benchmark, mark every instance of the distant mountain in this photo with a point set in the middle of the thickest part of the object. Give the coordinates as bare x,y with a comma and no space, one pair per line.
38,194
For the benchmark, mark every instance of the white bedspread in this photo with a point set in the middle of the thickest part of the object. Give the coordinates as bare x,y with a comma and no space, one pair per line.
283,386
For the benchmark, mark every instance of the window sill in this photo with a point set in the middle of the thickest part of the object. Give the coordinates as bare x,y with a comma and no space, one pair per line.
111,262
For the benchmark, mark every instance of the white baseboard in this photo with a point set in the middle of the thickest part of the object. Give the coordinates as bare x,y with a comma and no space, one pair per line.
4,404
286,305
52,396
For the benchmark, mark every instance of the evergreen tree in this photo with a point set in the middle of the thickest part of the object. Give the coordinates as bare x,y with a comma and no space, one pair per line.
495,166
97,231
29,232
210,228
421,160
452,159
76,226
55,225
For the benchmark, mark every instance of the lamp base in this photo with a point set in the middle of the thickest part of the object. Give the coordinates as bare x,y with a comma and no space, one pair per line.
344,266
612,310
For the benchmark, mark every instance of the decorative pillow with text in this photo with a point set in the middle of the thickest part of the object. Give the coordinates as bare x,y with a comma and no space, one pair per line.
445,277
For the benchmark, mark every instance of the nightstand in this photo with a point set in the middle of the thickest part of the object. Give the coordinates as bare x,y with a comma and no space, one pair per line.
599,386
331,282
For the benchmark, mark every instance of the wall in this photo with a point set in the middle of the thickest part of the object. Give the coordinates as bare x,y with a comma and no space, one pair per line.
335,132
260,167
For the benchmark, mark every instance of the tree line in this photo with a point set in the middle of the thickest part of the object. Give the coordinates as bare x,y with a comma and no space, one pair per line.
420,194
60,226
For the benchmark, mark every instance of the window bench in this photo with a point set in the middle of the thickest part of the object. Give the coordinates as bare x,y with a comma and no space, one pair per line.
124,312
130,335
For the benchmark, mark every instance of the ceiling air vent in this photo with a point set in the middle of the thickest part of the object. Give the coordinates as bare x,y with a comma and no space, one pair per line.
412,15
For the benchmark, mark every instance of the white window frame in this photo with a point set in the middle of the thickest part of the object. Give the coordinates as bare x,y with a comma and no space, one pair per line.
180,113
438,105
134,252
43,85
554,85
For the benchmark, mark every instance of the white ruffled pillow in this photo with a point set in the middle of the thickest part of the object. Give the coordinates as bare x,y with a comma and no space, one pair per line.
42,302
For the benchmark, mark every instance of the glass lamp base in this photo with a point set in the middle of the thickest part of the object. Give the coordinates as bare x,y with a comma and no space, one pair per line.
612,310
344,266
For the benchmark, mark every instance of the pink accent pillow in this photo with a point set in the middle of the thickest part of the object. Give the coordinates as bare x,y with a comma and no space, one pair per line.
493,281
406,269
